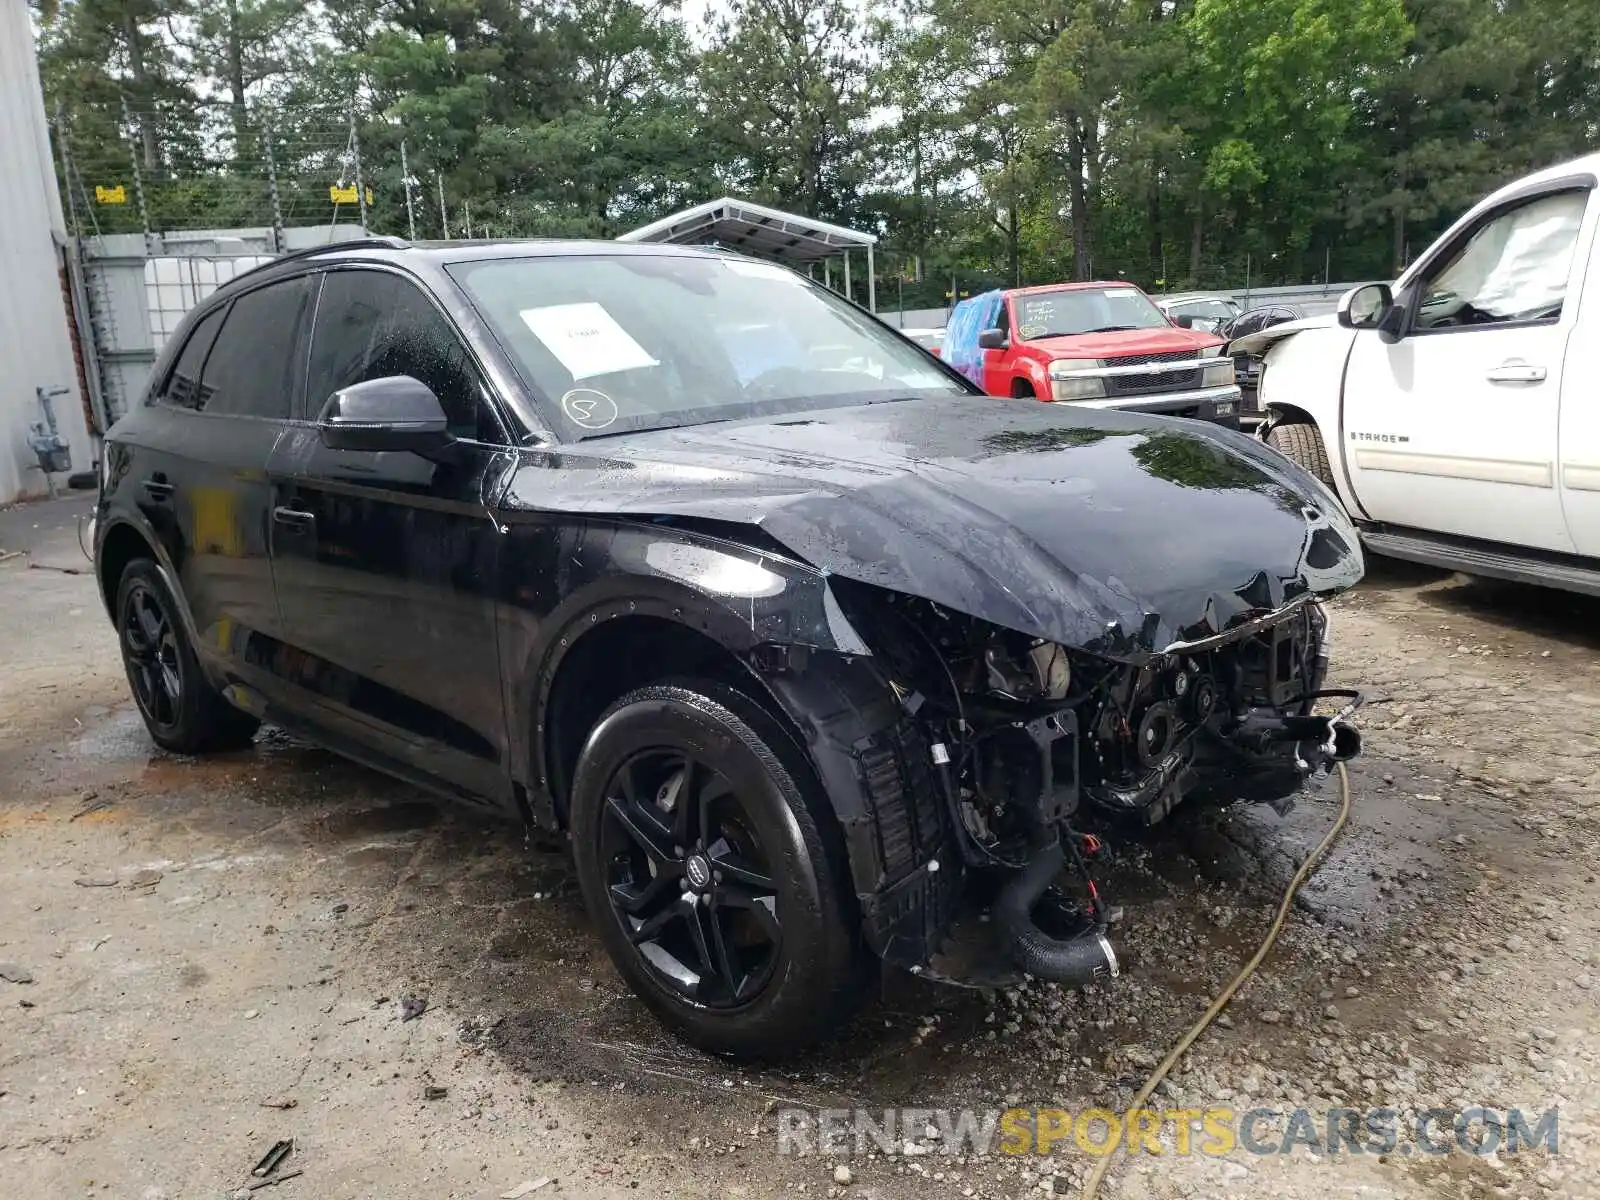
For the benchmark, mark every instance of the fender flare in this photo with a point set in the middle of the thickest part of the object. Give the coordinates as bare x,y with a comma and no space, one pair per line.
1278,413
164,566
1037,376
800,611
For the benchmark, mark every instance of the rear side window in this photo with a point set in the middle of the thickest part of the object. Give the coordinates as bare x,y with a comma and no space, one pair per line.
370,325
252,368
183,383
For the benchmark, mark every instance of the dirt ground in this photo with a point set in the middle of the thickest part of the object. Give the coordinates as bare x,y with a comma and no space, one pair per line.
209,941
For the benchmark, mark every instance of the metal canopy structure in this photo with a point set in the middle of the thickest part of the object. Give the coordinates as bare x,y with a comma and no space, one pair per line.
765,232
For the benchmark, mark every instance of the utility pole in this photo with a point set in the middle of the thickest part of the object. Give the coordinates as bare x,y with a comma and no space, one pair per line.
355,154
405,178
466,206
272,190
444,217
150,246
66,170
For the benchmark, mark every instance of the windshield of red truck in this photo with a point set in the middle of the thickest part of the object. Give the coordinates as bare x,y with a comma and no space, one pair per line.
1085,310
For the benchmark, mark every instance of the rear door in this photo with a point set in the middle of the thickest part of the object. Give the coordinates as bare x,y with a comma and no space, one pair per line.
1453,428
231,392
387,563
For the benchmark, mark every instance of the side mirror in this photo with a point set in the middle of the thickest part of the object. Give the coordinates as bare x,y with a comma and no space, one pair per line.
1364,307
993,339
396,412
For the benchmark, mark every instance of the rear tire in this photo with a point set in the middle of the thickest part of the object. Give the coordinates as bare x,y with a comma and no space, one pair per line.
181,709
1302,445
711,866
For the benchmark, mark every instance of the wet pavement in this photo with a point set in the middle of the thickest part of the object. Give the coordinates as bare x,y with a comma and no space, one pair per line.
301,897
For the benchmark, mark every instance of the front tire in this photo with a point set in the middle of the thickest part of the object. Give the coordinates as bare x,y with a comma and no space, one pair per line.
181,709
1302,445
713,872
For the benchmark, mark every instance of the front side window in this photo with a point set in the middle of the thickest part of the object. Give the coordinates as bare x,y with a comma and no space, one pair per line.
1513,268
1068,311
374,324
253,368
615,343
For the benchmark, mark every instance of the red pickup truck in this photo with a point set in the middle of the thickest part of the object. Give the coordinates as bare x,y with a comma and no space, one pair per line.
1102,344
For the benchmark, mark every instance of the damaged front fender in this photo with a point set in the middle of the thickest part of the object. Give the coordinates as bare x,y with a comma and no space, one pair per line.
566,582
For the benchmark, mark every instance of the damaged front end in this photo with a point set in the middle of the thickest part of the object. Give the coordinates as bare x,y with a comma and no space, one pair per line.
996,629
1030,743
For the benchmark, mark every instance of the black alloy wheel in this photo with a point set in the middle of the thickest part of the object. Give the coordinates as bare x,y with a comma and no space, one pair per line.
150,652
713,868
181,709
688,878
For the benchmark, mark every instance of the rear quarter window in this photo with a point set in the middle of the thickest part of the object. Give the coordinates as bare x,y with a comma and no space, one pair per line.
182,386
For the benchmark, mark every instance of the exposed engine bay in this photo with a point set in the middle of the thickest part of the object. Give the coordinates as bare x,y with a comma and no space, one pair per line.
1031,740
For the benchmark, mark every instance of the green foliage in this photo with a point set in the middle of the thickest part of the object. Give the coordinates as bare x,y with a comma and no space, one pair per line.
786,91
987,142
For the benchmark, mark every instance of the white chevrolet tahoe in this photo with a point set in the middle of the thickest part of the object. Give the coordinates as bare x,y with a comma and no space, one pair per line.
1457,415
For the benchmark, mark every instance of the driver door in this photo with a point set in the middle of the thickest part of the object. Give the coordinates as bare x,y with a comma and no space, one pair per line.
997,364
1453,427
387,562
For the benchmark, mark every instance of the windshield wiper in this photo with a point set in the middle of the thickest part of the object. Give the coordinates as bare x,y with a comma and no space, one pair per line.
610,433
1112,329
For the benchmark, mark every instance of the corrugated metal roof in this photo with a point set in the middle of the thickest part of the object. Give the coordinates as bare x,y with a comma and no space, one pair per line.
755,228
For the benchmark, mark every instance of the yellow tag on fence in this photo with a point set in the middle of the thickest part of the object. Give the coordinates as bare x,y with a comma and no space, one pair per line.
346,195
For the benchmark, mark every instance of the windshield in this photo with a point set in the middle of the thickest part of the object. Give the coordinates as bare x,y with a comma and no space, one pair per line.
1085,310
1219,310
618,343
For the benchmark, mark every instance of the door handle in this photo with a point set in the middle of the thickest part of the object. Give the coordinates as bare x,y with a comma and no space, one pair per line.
158,489
1516,372
296,517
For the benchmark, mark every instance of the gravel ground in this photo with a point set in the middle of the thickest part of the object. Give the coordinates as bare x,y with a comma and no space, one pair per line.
209,941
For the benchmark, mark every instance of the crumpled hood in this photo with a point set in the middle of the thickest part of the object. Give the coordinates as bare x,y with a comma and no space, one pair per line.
1257,343
1115,532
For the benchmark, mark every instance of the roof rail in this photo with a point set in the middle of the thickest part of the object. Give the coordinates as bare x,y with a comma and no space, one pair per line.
372,242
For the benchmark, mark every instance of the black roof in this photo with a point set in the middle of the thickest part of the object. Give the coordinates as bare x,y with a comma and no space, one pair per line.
393,249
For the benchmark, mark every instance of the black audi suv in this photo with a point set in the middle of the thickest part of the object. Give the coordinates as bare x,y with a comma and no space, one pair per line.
810,650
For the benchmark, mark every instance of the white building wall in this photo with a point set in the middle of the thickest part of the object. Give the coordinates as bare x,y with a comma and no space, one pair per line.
35,340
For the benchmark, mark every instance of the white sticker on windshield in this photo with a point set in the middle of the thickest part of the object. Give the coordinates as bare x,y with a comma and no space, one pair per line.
758,270
586,339
1122,291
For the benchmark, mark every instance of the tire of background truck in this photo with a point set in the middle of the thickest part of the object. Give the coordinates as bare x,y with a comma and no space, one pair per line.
1302,445
181,709
713,869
